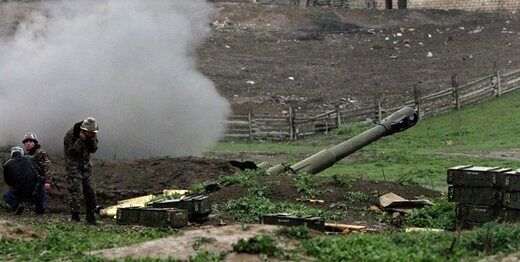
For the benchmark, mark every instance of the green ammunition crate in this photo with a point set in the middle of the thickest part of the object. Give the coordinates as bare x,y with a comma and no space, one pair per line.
477,176
316,223
128,215
198,207
512,200
476,213
163,217
475,195
510,215
512,180
455,174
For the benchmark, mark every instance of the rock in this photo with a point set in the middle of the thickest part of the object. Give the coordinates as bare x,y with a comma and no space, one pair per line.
430,54
477,30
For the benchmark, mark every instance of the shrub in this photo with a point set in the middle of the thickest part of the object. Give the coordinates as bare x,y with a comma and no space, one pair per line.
262,244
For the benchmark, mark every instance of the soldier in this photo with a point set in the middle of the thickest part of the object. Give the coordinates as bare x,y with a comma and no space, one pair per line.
34,149
21,174
79,142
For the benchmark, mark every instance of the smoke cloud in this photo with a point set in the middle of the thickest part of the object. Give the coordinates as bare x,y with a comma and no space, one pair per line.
131,64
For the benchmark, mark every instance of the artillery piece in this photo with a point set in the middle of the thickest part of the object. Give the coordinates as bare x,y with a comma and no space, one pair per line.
400,120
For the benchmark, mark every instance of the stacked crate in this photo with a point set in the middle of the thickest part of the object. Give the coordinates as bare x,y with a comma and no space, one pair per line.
484,194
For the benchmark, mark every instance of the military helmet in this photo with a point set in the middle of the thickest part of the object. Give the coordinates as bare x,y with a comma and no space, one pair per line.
90,125
30,136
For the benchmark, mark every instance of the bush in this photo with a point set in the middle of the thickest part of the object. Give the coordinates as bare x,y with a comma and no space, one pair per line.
305,184
251,208
440,215
262,244
299,232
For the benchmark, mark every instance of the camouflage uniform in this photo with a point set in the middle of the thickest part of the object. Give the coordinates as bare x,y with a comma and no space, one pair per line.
42,158
79,169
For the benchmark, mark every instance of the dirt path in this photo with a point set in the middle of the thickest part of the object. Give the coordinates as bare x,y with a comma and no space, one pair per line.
189,243
509,155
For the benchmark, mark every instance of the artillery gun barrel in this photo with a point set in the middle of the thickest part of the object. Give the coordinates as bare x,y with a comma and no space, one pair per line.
399,121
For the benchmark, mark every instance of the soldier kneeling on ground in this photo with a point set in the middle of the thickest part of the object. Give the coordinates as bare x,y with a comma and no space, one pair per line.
25,181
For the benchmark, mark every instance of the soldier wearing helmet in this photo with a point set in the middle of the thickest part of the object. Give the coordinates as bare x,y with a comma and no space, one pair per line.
33,148
79,142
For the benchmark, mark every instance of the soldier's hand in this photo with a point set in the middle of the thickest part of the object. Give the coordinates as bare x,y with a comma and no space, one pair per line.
47,186
82,135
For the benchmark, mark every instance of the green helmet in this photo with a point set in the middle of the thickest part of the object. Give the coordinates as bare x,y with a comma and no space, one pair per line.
90,125
30,136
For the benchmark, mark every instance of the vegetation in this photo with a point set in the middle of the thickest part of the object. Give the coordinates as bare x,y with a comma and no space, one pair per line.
68,241
306,185
492,238
419,155
262,244
251,209
441,215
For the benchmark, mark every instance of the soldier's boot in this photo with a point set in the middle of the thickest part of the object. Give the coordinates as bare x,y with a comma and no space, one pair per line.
91,218
75,217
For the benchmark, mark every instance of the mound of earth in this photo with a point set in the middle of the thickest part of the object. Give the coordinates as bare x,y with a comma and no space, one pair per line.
123,179
118,180
13,231
218,240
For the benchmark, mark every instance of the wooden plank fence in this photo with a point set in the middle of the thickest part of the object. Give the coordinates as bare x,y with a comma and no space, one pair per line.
296,125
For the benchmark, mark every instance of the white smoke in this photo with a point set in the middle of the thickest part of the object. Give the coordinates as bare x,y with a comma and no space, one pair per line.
129,63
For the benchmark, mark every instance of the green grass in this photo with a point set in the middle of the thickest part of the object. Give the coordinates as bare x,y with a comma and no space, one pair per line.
71,241
419,155
492,238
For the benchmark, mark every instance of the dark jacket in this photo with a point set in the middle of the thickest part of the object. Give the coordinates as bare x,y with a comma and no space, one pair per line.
77,152
21,174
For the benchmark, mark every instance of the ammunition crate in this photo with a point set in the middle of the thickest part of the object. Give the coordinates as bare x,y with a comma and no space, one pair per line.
198,207
512,180
316,223
477,176
476,213
128,215
163,217
475,195
510,215
512,200
468,225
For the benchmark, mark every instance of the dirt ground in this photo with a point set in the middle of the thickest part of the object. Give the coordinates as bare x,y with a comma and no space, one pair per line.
118,180
317,57
12,230
185,245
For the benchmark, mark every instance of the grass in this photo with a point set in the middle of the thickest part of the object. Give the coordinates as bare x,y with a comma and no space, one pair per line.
419,155
70,241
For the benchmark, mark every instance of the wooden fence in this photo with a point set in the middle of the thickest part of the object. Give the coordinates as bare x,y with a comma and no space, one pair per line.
294,126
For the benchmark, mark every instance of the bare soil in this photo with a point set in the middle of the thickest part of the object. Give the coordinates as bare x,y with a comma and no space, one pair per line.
317,57
12,230
186,245
118,180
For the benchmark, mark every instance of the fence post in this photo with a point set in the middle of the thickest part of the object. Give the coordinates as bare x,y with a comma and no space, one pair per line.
292,133
250,120
417,100
378,112
338,116
499,84
455,91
